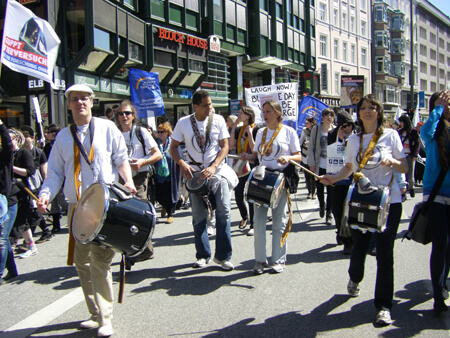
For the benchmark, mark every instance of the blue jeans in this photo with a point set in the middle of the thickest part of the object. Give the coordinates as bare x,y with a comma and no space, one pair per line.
223,233
6,252
439,222
384,286
278,226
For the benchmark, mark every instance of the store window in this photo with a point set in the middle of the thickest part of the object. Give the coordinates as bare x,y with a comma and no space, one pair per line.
157,8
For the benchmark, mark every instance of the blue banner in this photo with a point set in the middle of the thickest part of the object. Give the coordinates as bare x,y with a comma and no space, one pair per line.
309,106
145,93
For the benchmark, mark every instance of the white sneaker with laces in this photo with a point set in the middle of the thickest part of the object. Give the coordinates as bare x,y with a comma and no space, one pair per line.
89,324
225,265
200,263
32,250
383,318
251,232
353,289
105,331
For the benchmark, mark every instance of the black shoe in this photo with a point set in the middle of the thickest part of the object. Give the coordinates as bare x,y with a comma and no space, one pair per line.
9,276
347,249
178,205
56,230
412,193
128,264
339,240
45,237
440,306
322,212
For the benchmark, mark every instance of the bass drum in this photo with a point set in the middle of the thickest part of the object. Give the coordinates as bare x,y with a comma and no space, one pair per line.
367,212
109,215
266,192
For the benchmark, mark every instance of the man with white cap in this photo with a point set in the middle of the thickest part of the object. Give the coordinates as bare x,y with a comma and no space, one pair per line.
107,153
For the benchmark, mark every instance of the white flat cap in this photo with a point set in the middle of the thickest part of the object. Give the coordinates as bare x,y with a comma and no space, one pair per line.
78,88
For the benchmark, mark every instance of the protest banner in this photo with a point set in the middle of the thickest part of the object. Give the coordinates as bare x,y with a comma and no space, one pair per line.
29,45
309,106
284,93
145,93
352,90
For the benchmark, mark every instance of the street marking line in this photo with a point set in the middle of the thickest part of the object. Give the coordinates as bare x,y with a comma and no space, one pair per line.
44,316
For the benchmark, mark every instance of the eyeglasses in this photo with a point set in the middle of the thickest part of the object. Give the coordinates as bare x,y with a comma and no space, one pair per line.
127,113
161,131
346,125
83,99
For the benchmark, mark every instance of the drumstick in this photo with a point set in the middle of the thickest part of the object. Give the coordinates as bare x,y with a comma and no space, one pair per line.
234,156
22,186
307,170
122,279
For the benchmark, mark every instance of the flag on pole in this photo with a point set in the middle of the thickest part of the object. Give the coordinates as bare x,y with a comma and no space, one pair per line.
30,45
309,106
398,113
416,117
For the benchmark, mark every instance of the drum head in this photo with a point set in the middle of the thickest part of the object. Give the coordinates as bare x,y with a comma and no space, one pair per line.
89,214
196,183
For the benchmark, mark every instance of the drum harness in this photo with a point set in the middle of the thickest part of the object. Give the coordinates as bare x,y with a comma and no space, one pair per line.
264,148
205,197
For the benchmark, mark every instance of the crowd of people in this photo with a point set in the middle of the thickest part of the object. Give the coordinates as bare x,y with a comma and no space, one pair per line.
338,153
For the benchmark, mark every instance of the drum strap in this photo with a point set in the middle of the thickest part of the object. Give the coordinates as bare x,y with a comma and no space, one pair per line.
265,147
239,145
198,137
367,153
289,223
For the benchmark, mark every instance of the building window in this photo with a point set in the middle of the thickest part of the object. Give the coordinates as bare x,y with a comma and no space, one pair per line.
391,94
382,65
433,86
398,46
432,38
364,57
336,49
432,54
344,21
423,33
380,13
344,51
322,12
441,73
363,5
363,28
441,58
382,39
423,50
433,70
353,54
398,23
323,45
336,17
448,46
423,67
157,8
352,24
441,43
423,84
398,69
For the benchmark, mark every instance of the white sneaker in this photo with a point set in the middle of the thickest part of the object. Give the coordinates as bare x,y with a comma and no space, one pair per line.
383,318
105,331
89,324
200,263
353,289
251,232
210,230
278,268
225,265
32,250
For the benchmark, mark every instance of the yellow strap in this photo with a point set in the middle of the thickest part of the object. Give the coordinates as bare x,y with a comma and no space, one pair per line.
239,148
289,223
264,147
367,153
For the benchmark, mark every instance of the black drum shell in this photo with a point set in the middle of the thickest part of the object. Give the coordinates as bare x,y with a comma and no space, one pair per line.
260,191
126,224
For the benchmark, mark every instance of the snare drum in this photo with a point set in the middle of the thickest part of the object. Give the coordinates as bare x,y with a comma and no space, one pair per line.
197,185
367,212
107,215
266,192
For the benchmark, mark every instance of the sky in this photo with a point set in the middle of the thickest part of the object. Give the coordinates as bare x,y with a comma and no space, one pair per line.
443,5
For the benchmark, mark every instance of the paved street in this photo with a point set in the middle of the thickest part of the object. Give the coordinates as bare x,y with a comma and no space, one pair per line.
166,297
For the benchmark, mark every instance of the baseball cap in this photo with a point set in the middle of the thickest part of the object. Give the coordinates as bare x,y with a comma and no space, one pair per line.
78,88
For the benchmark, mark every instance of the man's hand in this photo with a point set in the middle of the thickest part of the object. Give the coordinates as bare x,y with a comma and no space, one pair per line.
42,203
136,164
130,186
209,172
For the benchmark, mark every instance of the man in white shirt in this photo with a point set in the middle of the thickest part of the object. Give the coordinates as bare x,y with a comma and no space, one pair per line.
206,138
108,156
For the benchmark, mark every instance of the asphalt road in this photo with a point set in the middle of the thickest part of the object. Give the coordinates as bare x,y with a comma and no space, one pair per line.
166,297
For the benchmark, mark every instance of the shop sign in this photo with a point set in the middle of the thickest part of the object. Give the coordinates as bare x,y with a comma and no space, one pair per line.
189,40
214,43
105,85
121,88
89,80
35,84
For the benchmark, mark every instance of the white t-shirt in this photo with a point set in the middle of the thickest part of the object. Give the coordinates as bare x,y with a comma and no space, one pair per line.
183,132
388,146
134,148
286,143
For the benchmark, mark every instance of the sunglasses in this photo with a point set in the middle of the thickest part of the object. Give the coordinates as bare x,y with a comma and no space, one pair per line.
127,113
346,125
161,131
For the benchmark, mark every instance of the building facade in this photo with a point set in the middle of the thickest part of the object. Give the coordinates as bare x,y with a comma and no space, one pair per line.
218,45
343,45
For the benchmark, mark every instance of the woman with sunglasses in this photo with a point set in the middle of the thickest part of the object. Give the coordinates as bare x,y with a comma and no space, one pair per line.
386,156
167,174
243,138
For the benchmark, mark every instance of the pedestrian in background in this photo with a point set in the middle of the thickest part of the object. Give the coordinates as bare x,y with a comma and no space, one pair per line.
304,144
411,145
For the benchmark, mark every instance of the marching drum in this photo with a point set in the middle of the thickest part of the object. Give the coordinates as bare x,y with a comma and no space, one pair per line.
109,215
367,212
197,185
266,191
240,167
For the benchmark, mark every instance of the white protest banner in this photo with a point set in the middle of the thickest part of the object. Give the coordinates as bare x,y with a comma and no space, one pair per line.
30,45
286,94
